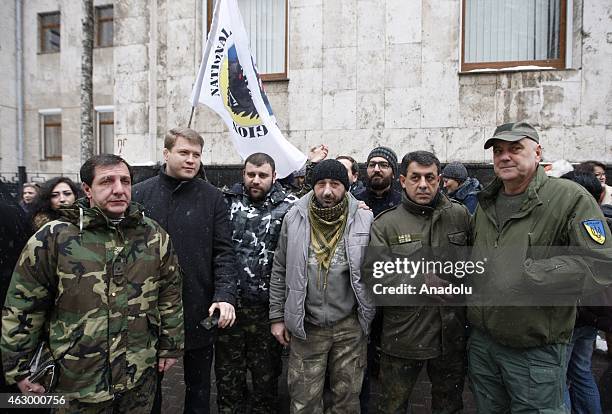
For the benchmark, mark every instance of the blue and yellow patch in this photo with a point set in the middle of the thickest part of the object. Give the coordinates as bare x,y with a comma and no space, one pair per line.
596,230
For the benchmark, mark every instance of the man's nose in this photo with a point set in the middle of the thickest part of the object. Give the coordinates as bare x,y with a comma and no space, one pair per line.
118,187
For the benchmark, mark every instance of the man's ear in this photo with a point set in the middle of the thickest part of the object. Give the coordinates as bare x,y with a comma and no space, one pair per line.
165,152
86,190
402,181
273,177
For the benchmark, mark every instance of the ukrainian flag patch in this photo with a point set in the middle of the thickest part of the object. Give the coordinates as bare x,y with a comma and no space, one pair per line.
596,230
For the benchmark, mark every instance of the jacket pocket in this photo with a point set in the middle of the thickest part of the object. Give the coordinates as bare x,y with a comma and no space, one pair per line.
458,238
406,249
359,239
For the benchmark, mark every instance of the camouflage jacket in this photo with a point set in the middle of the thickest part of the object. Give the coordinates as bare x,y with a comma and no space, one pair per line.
108,295
255,231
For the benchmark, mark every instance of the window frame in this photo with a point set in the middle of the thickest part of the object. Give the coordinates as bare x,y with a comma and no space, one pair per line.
43,114
43,27
99,110
98,20
515,65
266,77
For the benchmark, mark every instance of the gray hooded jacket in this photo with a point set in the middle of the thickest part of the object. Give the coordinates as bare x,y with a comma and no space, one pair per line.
288,284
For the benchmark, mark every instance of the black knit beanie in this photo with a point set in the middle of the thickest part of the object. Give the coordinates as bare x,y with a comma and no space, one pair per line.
388,154
332,169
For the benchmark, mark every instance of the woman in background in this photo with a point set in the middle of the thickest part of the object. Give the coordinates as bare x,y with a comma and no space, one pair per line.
55,193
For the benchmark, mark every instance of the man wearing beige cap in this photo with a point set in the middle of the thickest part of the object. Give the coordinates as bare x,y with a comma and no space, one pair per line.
526,221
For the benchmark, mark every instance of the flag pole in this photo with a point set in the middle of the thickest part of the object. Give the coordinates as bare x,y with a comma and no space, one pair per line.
191,117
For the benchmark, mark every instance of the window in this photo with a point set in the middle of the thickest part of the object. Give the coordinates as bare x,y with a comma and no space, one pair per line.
49,24
501,34
51,128
265,22
105,130
104,26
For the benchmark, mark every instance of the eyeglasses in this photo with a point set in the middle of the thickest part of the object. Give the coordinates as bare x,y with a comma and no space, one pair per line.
383,165
600,174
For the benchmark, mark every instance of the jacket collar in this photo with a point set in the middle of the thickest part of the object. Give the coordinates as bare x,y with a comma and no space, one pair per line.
487,196
85,217
276,195
439,202
174,183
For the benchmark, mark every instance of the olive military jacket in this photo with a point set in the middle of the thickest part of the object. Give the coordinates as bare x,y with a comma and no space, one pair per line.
108,294
556,213
421,332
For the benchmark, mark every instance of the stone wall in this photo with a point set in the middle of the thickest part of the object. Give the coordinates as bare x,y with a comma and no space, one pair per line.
361,73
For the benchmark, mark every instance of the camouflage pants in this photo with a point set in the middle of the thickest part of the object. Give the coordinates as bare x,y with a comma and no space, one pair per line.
248,345
398,377
340,350
138,400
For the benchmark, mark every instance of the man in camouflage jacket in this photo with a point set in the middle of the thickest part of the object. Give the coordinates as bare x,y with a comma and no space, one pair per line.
257,208
103,286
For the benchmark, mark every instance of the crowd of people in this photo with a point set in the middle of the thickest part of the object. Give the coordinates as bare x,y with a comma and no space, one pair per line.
116,280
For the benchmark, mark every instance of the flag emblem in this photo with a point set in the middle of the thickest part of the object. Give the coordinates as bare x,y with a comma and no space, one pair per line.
596,230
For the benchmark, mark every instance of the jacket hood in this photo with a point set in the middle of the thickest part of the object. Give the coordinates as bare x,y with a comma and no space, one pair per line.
85,217
469,186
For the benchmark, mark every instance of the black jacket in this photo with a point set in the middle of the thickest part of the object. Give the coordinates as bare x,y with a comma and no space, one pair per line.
379,204
195,215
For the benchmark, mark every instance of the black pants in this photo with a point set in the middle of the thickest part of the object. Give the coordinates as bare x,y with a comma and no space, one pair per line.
197,365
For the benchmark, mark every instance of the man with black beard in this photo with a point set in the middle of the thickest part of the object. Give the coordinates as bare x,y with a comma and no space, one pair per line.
379,194
257,205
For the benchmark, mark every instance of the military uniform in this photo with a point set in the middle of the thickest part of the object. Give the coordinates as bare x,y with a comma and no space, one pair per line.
517,354
110,295
249,344
415,336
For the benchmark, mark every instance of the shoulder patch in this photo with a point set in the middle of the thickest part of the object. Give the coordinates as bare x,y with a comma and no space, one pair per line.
596,230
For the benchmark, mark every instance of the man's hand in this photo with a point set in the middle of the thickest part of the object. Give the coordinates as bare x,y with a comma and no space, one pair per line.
280,333
227,314
318,153
363,206
27,387
164,364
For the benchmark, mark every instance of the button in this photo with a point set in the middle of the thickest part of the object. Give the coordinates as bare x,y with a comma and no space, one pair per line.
113,294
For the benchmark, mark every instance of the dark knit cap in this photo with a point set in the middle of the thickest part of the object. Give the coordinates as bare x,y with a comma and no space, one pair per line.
332,169
456,171
388,154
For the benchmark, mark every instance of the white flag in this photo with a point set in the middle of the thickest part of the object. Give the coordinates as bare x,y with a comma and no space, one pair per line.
229,84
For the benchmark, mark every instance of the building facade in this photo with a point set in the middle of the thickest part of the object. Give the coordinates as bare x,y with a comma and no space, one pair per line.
436,75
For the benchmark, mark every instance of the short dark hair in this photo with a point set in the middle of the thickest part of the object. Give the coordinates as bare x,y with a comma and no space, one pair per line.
589,166
586,179
420,157
88,169
354,165
258,159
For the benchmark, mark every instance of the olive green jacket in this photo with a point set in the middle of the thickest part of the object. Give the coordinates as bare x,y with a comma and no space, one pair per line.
556,213
421,332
